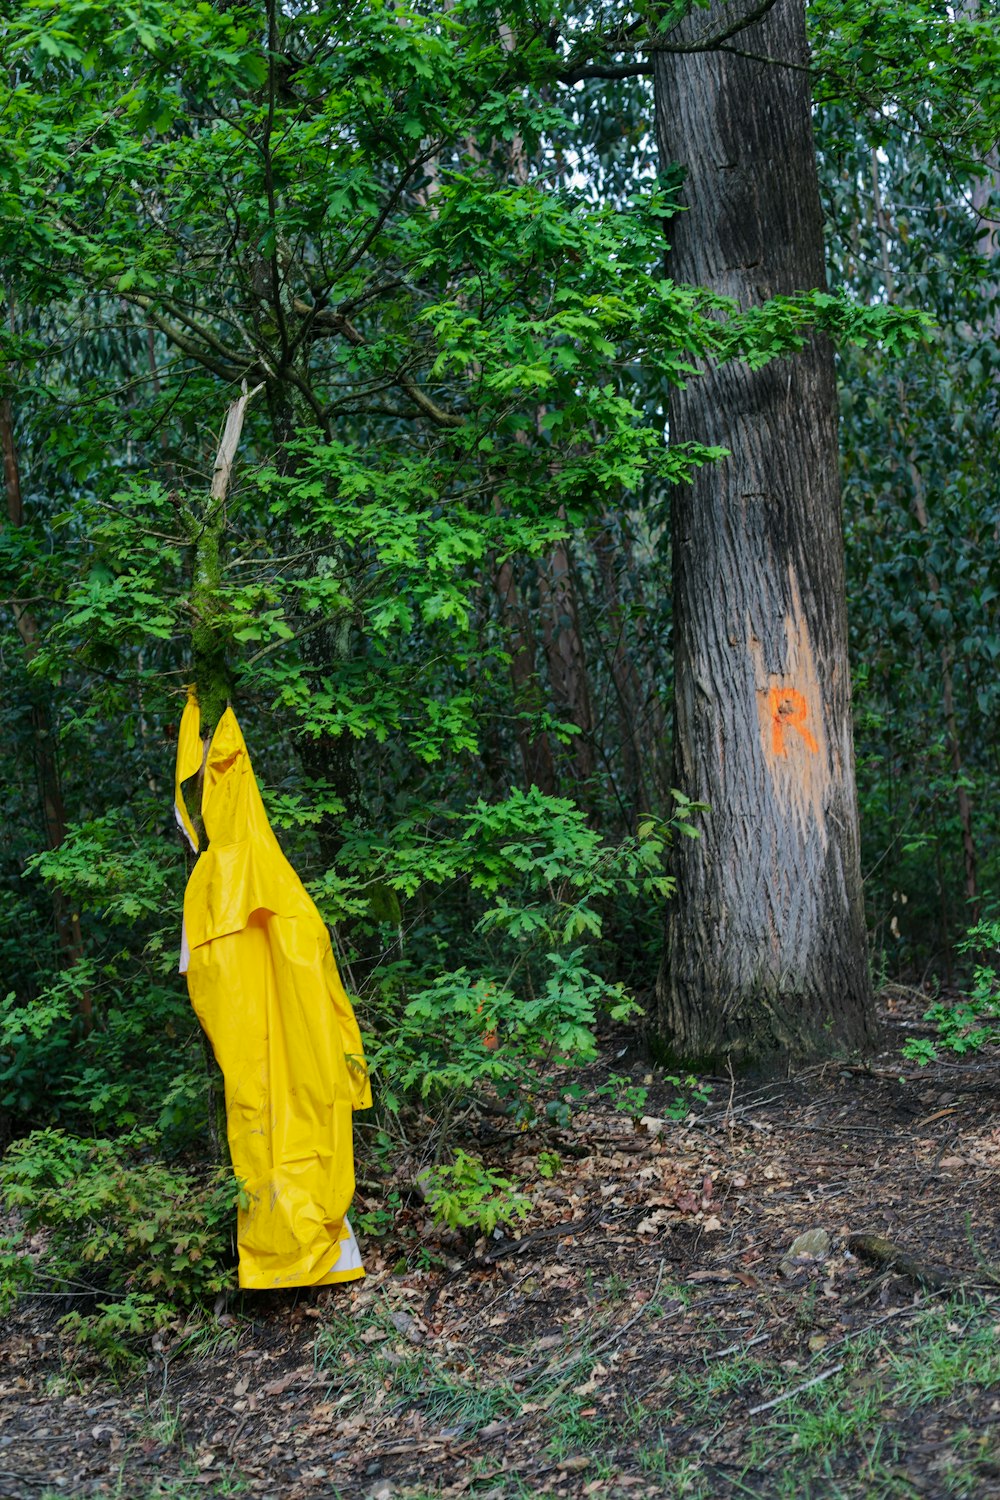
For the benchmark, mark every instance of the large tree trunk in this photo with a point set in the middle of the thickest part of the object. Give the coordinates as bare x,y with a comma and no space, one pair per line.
766,953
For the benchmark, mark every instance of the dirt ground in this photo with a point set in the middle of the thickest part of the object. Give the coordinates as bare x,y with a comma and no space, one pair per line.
642,1333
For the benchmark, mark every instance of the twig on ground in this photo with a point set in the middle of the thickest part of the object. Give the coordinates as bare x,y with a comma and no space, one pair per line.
897,1312
796,1390
739,1348
478,1312
503,1249
565,1227
890,1076
992,1271
727,1119
738,1109
866,1291
932,1169
839,1129
237,1434
620,1332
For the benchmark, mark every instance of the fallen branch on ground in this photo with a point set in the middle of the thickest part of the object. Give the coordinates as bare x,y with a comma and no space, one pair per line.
883,1252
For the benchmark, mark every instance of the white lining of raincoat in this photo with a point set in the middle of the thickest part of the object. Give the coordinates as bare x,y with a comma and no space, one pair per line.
349,1258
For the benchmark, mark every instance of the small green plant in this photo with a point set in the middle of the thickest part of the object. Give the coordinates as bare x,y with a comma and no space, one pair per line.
548,1163
693,1091
377,1221
138,1239
973,1022
469,1195
627,1097
16,1270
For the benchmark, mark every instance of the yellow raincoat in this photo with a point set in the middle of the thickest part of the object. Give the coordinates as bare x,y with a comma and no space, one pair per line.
263,981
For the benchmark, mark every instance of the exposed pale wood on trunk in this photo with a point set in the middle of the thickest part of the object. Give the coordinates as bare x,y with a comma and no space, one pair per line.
209,641
767,952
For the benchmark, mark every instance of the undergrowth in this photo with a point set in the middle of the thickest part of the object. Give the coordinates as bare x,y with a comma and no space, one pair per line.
133,1240
973,1021
491,1008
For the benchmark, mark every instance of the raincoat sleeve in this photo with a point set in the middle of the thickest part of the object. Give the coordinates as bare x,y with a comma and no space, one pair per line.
350,1033
189,758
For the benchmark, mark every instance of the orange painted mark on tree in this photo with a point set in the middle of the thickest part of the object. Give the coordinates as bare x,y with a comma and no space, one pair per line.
789,710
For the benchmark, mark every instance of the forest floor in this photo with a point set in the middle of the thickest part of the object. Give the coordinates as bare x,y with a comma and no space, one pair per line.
643,1332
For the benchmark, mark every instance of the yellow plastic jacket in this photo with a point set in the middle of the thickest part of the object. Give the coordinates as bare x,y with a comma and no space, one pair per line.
263,981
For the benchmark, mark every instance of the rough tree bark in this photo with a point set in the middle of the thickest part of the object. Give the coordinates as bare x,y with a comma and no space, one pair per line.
766,951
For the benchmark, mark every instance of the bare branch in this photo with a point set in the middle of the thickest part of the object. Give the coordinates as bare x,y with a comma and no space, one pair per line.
190,346
608,70
632,43
335,321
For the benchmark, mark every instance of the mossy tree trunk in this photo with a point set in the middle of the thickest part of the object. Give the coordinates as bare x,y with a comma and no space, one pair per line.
211,652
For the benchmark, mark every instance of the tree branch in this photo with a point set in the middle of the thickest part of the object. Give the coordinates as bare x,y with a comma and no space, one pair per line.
713,43
608,70
228,372
272,52
335,321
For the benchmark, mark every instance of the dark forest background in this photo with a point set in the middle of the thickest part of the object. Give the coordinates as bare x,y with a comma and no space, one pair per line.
438,590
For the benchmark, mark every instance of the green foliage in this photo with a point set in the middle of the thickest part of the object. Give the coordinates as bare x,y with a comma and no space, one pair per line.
691,1092
50,1070
443,551
913,65
921,455
540,883
469,1195
972,1022
143,1240
626,1096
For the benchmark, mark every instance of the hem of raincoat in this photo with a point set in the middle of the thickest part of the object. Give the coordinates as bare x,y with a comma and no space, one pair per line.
354,1274
261,1284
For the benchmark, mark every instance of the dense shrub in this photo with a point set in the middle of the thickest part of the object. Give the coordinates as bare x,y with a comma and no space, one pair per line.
135,1241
